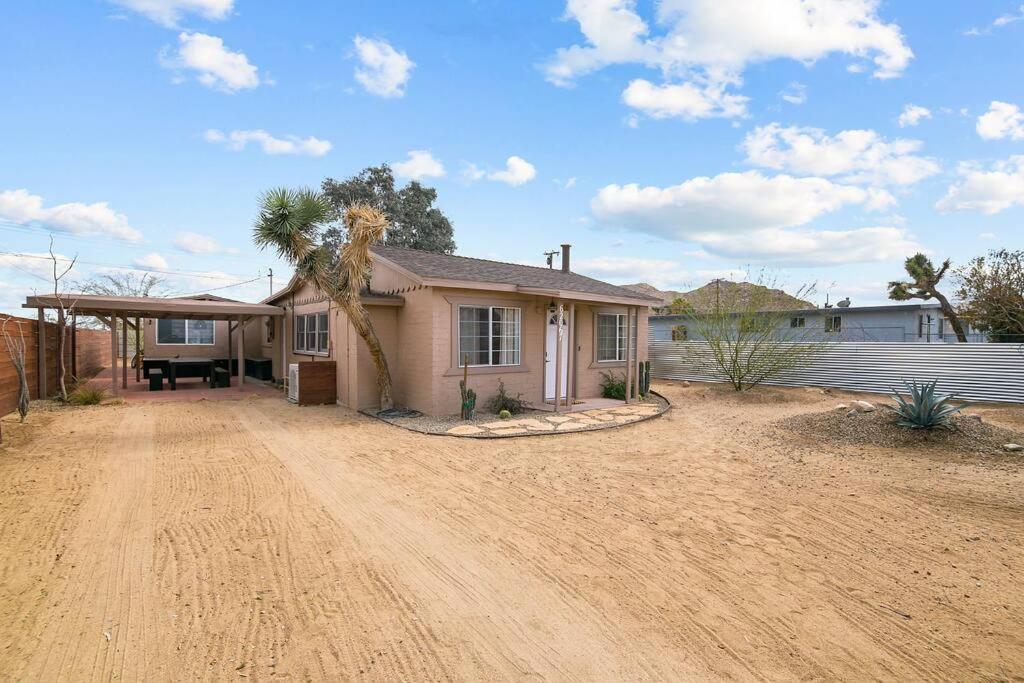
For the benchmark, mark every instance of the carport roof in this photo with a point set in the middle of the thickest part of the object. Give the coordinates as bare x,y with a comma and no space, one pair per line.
153,307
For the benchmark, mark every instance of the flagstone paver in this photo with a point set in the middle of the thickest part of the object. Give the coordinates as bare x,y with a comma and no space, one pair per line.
560,422
465,430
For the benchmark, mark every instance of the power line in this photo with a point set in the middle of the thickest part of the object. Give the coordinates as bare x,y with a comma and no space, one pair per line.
162,271
141,246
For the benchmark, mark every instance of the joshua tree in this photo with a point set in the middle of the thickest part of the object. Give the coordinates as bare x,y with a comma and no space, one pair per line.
291,220
925,286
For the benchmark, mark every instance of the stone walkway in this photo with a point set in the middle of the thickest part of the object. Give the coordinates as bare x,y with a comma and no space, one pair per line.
561,422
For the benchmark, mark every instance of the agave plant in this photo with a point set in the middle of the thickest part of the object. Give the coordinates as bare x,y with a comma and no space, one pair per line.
923,409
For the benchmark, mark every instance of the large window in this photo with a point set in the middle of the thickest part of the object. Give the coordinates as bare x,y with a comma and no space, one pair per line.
489,335
185,332
312,333
611,337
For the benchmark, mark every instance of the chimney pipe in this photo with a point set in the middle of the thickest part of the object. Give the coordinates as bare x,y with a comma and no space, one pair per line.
565,257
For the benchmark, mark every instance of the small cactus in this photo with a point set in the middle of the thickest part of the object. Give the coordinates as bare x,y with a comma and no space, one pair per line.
468,400
504,415
644,377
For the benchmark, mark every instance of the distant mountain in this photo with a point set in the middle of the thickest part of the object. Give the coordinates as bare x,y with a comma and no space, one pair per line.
704,298
666,295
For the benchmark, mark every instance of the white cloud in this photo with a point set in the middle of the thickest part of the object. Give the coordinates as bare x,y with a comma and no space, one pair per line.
1002,120
290,144
987,191
195,243
662,273
860,156
471,172
795,93
215,65
816,247
518,171
420,164
151,260
1006,19
987,236
685,100
569,184
912,115
170,12
384,69
18,206
730,202
750,215
707,44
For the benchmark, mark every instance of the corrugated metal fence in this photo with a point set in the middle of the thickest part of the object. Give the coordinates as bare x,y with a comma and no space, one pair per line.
983,372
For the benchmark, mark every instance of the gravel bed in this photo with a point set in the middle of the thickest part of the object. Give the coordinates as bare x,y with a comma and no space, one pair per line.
969,435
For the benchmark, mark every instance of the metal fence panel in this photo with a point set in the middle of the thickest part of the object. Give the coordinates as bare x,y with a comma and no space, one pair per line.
982,372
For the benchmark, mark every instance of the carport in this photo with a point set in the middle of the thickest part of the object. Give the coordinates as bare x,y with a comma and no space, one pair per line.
131,311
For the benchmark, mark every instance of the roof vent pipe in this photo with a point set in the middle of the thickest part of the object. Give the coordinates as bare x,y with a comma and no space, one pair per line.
565,257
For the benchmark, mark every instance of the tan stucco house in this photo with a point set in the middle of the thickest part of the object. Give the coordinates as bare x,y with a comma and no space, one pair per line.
435,313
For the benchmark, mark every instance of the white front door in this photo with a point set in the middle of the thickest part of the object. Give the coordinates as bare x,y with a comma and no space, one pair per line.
549,355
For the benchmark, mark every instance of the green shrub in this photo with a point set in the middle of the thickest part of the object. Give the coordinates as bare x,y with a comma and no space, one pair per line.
503,401
86,395
613,386
922,409
504,415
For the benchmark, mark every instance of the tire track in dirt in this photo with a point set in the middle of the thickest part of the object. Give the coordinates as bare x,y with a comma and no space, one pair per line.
99,620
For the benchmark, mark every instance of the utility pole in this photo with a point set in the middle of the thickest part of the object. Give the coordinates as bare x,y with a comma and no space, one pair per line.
270,274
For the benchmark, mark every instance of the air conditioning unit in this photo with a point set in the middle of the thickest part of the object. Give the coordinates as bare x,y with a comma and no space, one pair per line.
293,382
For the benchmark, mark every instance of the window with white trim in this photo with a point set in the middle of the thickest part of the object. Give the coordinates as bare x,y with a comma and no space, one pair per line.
489,335
312,333
834,324
611,337
191,332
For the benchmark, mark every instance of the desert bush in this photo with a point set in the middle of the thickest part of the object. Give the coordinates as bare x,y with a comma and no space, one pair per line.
86,395
613,386
504,401
922,409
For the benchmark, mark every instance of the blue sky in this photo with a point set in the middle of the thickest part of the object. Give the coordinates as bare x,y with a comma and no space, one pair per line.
669,141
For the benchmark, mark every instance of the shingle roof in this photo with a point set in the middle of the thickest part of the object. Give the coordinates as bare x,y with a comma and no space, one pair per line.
429,264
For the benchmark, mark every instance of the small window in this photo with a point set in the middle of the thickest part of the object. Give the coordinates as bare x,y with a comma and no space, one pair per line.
680,333
798,321
834,324
489,335
312,333
185,332
611,337
300,333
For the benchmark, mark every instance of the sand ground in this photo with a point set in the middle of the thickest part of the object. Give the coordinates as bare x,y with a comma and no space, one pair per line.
254,539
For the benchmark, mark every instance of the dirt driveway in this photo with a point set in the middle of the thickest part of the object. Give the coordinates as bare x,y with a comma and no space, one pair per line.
220,540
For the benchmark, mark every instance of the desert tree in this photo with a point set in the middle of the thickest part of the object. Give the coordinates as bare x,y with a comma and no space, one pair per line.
741,333
924,285
15,344
413,220
65,306
291,221
990,291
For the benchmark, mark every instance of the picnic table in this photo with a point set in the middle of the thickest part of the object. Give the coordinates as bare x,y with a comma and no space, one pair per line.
190,367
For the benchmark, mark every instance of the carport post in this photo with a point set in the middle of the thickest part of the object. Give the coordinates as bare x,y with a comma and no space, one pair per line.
241,351
138,358
124,352
113,352
41,353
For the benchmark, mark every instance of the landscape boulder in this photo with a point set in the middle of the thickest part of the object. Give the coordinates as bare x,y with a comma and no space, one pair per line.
1013,447
863,407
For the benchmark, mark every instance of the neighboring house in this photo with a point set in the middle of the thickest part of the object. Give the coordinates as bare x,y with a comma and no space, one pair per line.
432,312
191,338
917,322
